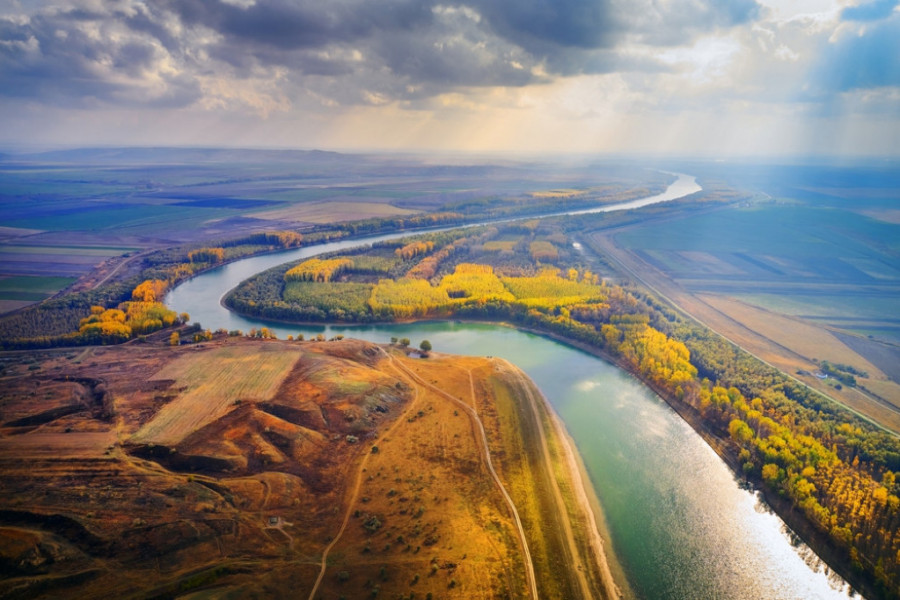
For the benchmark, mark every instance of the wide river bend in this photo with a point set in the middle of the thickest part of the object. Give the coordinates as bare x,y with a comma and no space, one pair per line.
678,523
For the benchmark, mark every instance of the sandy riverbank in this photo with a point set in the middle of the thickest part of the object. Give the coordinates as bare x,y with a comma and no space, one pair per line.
589,504
581,515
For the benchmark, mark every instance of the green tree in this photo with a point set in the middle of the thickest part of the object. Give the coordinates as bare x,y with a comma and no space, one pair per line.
404,342
425,346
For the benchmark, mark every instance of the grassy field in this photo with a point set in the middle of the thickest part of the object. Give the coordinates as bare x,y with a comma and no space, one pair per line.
81,250
332,212
550,501
352,297
212,382
823,306
98,218
794,231
500,245
825,262
31,288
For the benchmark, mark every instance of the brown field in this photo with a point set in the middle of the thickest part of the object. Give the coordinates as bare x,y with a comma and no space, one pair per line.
333,212
787,343
442,519
212,383
86,444
130,471
500,245
798,336
815,342
561,193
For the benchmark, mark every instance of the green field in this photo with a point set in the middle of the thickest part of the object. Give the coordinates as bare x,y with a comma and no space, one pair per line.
348,297
119,217
80,250
796,232
31,288
824,306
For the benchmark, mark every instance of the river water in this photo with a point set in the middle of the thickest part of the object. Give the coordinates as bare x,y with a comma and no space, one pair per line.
678,522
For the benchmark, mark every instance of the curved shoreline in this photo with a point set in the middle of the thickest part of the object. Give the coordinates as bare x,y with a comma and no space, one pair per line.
586,502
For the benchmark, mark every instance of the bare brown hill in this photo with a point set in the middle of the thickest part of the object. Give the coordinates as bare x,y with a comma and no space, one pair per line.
267,468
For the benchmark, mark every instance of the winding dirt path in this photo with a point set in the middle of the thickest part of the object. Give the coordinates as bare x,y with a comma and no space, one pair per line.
354,494
486,455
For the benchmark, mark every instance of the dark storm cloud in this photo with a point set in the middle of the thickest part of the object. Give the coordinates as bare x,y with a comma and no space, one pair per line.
292,24
540,25
398,49
61,57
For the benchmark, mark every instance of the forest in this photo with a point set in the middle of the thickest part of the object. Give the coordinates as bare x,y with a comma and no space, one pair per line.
835,470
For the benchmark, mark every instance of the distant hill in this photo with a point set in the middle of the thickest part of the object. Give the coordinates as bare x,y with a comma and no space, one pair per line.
162,155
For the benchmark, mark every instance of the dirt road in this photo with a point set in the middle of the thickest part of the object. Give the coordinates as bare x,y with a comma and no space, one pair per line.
486,456
354,494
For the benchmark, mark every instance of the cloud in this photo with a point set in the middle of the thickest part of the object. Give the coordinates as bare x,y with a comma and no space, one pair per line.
539,25
679,22
611,71
289,24
86,56
343,51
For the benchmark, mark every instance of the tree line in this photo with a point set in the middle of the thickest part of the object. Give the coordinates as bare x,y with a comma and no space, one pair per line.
59,322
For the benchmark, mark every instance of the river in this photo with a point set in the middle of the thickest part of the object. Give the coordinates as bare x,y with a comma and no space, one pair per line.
678,522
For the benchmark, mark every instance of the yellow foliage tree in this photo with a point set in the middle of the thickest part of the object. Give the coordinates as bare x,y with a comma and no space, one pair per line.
316,269
150,290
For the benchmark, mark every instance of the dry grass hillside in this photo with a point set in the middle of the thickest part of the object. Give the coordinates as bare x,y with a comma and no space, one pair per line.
264,468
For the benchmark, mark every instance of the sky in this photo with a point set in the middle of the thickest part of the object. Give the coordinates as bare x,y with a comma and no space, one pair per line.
709,78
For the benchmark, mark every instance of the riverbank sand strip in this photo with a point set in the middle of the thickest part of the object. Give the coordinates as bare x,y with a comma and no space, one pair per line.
582,494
